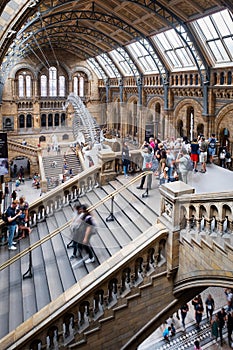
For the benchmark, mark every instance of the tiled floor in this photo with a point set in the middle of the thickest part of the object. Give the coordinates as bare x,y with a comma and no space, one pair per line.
154,341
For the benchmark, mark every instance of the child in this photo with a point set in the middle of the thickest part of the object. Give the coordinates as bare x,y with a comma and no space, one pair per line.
173,330
163,178
166,334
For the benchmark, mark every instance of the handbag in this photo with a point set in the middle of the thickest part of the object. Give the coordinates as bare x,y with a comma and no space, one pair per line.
222,155
148,165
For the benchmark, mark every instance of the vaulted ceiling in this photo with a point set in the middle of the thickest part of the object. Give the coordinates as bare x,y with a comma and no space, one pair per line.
87,28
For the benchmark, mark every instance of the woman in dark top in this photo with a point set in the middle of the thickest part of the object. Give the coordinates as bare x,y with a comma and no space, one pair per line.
194,154
13,195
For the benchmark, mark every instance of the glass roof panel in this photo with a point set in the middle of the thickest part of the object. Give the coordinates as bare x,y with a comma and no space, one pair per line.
224,22
218,50
173,59
206,28
216,33
163,42
229,45
106,66
143,57
174,49
184,57
96,68
121,62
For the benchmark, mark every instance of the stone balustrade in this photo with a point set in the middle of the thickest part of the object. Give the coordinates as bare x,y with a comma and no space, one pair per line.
209,213
22,149
94,300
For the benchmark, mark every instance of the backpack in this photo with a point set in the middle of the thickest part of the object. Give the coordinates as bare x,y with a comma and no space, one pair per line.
212,143
204,146
5,217
189,164
222,154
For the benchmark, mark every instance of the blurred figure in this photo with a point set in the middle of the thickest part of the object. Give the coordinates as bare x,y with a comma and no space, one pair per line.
209,306
125,158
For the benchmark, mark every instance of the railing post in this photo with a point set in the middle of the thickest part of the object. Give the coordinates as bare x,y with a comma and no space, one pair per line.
171,201
111,216
28,273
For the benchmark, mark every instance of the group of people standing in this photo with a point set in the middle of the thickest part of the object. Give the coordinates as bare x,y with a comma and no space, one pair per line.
17,220
219,319
171,161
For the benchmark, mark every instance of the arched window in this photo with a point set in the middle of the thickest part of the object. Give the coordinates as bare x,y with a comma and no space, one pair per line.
50,120
76,85
56,120
43,86
29,121
63,119
181,79
24,85
62,86
52,82
215,78
81,87
21,121
191,79
21,86
28,86
43,120
222,77
229,78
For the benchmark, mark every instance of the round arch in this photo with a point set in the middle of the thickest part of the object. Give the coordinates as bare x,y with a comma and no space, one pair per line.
223,120
183,112
17,67
84,70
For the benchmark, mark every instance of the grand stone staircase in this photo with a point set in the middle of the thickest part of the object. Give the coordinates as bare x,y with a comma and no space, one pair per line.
53,272
127,235
53,173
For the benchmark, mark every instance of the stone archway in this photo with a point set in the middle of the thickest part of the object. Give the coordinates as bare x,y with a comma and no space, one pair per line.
20,166
182,110
223,121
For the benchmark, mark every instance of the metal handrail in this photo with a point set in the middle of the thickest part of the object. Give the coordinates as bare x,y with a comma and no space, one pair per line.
67,224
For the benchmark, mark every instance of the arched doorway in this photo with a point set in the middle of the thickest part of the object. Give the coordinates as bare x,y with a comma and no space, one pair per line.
190,123
157,119
149,132
200,129
179,128
20,167
224,136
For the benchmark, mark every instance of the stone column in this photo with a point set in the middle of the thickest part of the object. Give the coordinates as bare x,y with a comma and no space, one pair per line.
107,161
171,202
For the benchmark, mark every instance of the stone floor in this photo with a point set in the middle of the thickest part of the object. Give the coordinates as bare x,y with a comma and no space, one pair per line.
155,341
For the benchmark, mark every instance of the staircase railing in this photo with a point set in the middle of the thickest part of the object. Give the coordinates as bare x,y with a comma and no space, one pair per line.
26,149
152,253
43,213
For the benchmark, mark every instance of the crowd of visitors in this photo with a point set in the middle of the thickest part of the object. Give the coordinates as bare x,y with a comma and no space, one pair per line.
172,160
219,319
